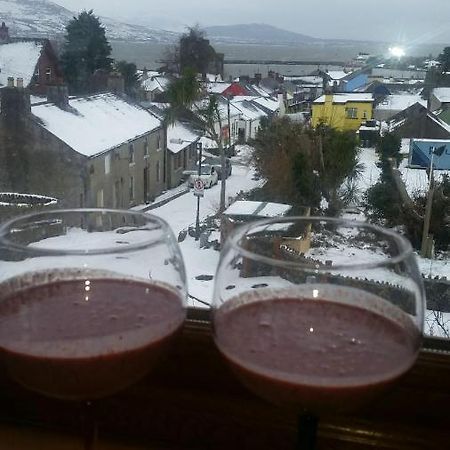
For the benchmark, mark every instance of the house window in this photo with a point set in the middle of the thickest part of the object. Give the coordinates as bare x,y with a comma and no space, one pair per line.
158,142
131,188
107,163
146,147
48,74
131,154
352,113
158,171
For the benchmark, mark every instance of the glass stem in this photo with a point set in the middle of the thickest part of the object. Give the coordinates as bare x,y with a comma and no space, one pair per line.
88,425
307,432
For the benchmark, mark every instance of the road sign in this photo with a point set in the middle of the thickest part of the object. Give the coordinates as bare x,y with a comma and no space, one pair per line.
199,187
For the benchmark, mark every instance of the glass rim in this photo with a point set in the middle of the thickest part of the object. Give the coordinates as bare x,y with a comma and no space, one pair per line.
6,227
405,249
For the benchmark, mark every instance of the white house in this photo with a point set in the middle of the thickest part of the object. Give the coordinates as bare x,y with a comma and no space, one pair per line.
250,118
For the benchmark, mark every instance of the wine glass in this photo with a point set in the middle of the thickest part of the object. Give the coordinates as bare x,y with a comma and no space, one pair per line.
89,299
317,314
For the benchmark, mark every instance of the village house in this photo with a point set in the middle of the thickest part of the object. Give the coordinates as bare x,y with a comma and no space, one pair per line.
440,98
342,111
418,122
33,61
92,151
390,105
181,152
250,119
153,86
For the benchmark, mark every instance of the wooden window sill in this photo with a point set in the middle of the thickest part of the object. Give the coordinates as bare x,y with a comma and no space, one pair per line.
193,401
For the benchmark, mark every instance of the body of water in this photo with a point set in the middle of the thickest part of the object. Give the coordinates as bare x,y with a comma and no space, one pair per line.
150,55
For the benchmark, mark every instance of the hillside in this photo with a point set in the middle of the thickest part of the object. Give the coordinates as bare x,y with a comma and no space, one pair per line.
43,18
256,33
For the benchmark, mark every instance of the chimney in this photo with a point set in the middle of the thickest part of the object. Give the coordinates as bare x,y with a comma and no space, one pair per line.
59,95
15,103
19,83
4,34
282,104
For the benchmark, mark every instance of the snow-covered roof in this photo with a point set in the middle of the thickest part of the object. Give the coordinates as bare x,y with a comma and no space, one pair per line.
442,94
399,102
261,90
337,74
18,60
180,136
213,77
344,98
268,103
260,209
154,83
96,123
249,110
217,88
148,73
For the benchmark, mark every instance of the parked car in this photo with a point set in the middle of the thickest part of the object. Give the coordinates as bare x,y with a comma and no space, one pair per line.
216,162
209,175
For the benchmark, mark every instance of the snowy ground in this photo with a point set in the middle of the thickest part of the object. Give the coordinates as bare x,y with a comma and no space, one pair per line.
180,214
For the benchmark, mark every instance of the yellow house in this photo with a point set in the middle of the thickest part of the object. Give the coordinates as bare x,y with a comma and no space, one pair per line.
342,111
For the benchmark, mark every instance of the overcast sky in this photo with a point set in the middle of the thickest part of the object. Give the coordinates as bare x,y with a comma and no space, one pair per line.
403,21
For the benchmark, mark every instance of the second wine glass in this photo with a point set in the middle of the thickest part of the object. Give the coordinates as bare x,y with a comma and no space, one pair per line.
317,314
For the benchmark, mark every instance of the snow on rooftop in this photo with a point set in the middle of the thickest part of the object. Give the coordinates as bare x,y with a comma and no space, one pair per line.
337,74
160,83
249,110
269,103
442,94
217,88
264,92
399,102
96,123
180,136
259,209
19,60
350,97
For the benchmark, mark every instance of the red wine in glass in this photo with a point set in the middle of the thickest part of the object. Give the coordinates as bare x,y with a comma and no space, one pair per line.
89,300
308,321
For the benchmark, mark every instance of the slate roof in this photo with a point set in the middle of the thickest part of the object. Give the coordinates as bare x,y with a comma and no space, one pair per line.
96,123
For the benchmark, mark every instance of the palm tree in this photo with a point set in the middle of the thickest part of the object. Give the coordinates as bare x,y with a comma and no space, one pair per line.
188,102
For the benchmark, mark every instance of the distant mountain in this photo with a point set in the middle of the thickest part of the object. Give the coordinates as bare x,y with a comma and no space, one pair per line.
43,18
256,33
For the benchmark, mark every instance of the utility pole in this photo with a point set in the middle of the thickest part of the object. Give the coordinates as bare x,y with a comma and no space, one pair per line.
222,161
197,218
425,249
